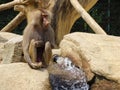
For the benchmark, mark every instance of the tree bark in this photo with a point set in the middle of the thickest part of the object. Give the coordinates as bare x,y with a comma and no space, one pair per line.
65,15
14,23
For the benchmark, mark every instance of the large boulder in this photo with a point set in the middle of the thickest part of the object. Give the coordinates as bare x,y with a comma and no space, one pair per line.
97,54
10,47
4,37
19,76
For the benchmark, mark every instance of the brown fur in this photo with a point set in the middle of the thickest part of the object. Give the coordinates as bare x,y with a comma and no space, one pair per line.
38,36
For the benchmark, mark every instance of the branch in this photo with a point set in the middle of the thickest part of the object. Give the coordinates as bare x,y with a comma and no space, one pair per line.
8,5
14,23
89,20
20,8
12,3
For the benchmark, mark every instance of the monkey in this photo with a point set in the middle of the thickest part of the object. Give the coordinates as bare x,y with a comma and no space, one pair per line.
39,35
38,38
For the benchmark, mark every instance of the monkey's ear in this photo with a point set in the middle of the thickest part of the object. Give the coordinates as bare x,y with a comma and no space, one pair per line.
55,58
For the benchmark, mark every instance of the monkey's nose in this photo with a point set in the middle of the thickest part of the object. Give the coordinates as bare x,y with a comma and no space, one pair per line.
47,23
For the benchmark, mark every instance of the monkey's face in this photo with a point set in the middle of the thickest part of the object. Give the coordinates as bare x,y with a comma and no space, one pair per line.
45,20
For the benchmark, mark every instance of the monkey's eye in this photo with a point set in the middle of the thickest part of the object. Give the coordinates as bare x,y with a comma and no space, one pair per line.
45,16
55,58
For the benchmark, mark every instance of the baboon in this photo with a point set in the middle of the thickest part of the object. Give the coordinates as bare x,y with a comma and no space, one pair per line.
38,38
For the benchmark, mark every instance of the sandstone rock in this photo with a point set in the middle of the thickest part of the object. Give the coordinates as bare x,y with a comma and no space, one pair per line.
12,47
70,48
19,76
100,51
56,51
4,37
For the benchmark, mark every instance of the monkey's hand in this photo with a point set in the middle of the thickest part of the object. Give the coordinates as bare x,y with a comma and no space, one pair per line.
35,65
39,43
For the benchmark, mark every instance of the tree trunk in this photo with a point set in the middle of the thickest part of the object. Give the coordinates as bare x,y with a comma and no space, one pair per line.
64,16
